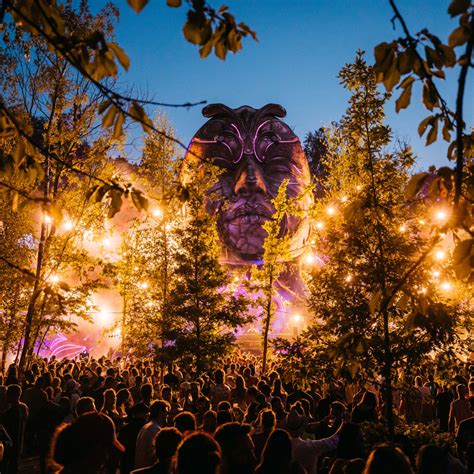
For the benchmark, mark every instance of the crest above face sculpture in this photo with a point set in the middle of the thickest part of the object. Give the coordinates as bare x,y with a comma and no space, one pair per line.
256,151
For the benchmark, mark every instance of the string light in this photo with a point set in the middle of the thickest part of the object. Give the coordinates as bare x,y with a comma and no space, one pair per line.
143,285
441,215
106,242
47,219
309,259
436,274
104,317
330,211
157,212
359,187
297,318
423,290
403,228
67,225
446,286
54,278
349,278
344,199
168,227
422,222
440,255
319,225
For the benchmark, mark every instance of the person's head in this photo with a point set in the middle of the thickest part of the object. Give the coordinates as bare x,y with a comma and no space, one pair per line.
146,391
461,390
219,376
159,410
295,423
166,443
140,411
433,459
387,459
237,446
195,390
203,404
110,398
277,406
166,393
369,399
354,466
123,397
223,417
209,421
418,381
277,450
224,406
240,383
13,393
198,449
84,445
252,394
351,443
338,411
471,387
184,422
40,383
85,405
267,419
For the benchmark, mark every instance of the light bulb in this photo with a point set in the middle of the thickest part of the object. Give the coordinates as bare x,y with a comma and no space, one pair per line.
440,255
157,212
67,225
330,211
319,225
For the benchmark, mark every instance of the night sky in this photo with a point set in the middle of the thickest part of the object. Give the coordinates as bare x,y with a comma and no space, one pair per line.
302,46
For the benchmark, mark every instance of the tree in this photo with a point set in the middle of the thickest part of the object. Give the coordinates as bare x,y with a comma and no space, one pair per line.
375,317
87,47
423,58
61,110
202,311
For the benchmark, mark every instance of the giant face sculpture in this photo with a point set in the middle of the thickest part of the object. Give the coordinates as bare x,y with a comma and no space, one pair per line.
255,152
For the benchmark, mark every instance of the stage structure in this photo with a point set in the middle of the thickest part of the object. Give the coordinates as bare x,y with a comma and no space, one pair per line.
256,151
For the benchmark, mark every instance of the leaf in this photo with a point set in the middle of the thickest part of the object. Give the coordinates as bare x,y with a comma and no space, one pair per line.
115,202
448,55
415,184
404,100
137,5
462,250
220,50
424,123
446,133
458,37
120,55
108,118
118,127
205,50
374,302
174,3
392,76
406,82
432,134
458,6
430,98
405,62
139,200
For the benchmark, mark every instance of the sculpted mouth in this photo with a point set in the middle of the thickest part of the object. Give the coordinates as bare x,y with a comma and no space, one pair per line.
248,214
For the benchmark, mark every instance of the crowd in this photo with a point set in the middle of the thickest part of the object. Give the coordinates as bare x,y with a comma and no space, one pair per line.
102,416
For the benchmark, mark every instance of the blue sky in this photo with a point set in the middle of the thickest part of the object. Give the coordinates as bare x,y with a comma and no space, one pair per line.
302,46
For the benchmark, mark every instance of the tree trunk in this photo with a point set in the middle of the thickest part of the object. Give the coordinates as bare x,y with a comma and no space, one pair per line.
267,324
387,371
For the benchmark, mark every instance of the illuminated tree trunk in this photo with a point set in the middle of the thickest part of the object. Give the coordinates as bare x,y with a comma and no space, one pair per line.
268,316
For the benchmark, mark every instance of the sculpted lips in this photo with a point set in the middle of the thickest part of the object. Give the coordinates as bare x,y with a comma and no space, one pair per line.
248,213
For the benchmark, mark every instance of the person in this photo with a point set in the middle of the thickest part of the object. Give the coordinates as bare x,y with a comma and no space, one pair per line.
471,394
109,408
145,450
198,452
386,459
238,456
459,409
14,421
209,422
277,456
220,391
85,446
465,438
184,422
305,451
267,423
433,459
166,444
128,435
366,410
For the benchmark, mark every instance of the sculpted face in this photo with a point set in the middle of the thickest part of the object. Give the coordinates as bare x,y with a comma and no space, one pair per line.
255,152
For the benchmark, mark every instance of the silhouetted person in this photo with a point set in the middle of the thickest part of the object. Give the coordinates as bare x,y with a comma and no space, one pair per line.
198,452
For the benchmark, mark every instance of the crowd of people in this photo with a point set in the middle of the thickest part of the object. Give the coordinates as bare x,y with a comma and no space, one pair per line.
102,416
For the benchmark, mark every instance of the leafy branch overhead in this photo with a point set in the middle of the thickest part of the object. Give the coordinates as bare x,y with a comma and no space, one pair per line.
90,51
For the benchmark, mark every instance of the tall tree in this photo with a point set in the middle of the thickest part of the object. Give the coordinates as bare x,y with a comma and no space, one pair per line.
375,317
202,311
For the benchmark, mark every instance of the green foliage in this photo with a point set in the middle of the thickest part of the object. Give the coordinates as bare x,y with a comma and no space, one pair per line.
202,312
375,300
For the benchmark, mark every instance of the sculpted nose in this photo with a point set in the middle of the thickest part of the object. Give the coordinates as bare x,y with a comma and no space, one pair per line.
251,179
